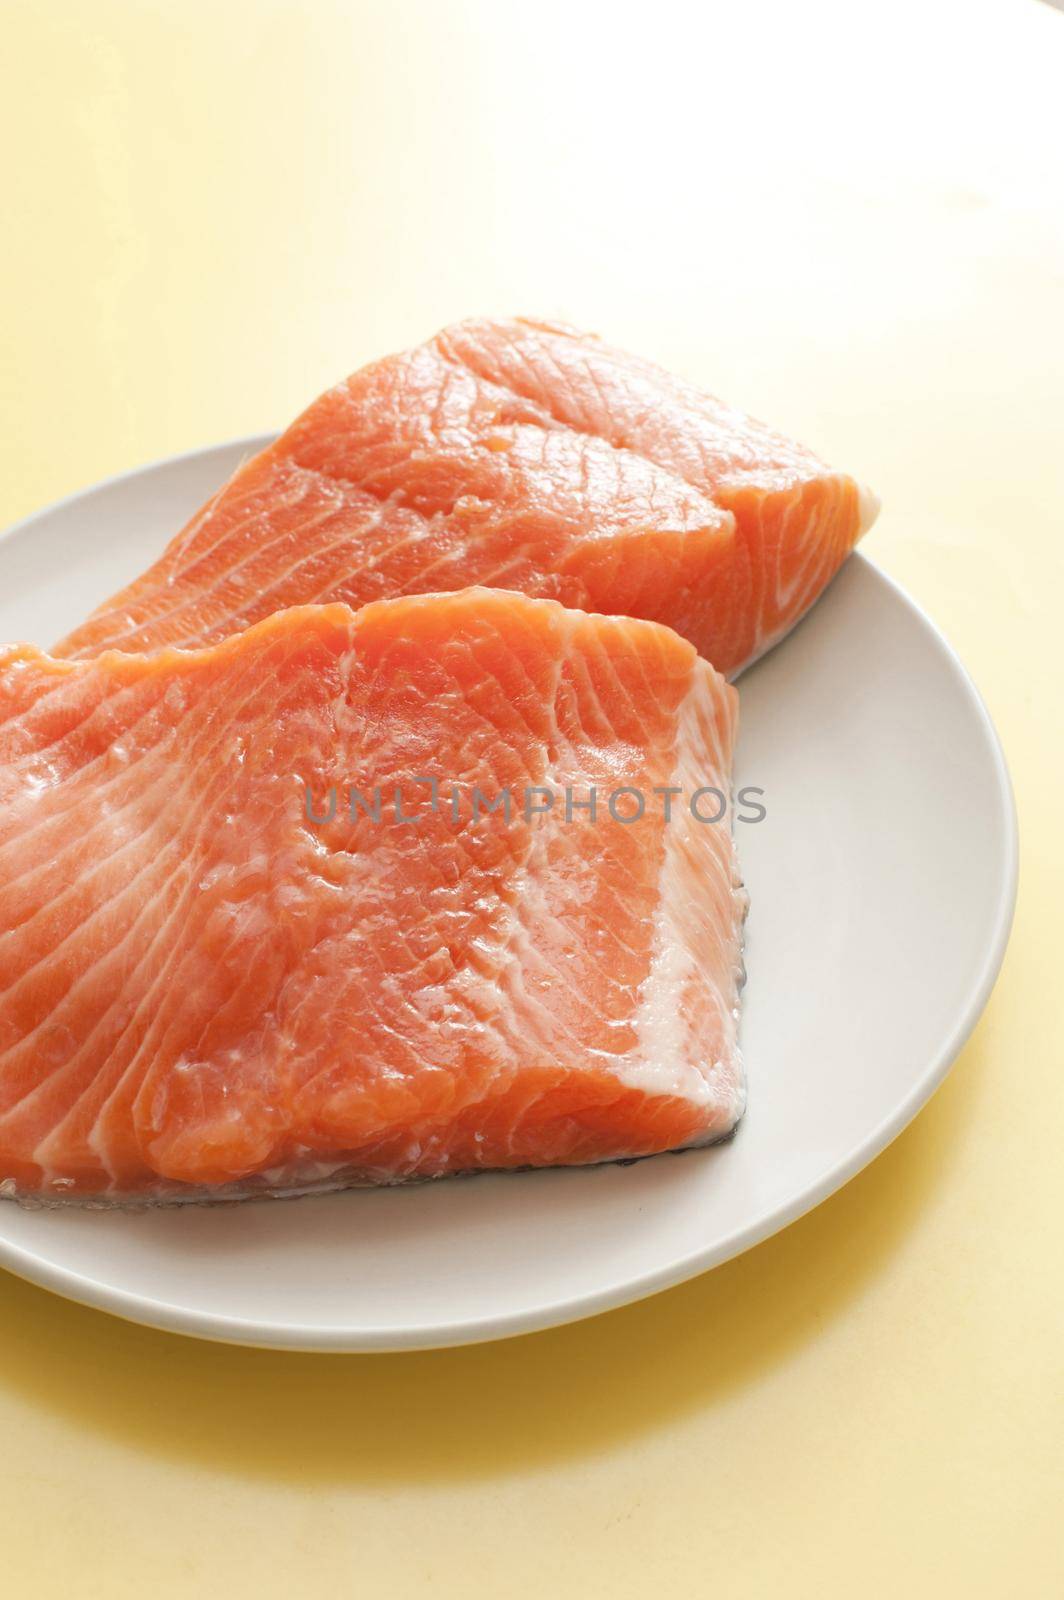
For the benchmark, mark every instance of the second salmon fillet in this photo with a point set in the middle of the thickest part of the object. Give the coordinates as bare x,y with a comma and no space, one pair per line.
522,455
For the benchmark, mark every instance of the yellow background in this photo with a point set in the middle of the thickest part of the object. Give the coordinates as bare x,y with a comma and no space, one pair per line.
847,218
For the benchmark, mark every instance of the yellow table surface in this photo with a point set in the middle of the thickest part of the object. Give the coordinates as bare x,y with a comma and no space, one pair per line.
846,218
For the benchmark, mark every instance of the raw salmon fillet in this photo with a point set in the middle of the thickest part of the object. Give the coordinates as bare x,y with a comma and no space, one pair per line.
518,454
210,985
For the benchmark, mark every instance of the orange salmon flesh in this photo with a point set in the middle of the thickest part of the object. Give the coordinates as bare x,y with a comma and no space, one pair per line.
521,455
206,991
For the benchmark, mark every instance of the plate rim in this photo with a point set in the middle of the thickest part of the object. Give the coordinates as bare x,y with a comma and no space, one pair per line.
170,1317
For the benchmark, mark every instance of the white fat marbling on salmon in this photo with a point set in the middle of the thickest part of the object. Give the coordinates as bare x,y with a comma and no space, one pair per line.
687,1017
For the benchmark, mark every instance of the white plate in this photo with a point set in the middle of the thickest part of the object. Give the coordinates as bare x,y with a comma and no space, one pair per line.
882,885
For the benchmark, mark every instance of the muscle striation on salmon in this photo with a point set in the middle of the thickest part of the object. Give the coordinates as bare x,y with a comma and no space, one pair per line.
207,991
520,454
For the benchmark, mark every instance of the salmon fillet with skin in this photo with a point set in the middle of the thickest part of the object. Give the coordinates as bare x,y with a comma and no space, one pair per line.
205,990
518,454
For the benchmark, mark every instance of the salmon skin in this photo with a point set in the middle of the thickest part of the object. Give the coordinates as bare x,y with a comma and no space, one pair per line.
523,455
216,982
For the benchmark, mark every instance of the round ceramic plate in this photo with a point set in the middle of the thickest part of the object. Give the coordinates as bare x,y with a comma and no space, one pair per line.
882,883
